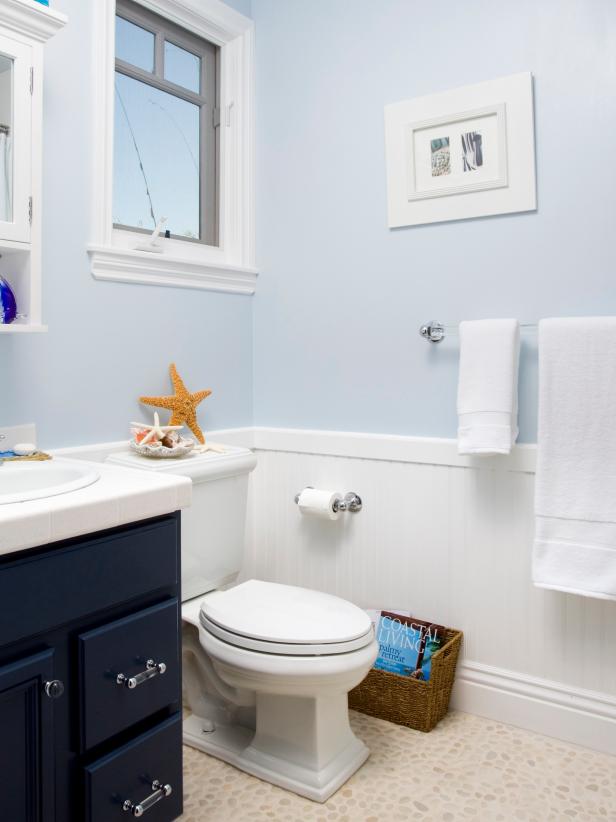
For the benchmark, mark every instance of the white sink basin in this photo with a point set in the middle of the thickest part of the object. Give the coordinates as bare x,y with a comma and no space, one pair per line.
24,481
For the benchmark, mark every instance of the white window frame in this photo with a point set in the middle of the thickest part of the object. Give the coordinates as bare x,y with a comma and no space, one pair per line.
230,266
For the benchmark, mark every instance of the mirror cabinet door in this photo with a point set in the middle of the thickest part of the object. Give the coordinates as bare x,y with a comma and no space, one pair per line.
6,131
15,140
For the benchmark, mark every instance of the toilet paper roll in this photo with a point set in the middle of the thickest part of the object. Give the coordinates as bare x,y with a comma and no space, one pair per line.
318,503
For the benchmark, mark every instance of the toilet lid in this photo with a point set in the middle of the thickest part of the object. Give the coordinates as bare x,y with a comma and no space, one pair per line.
275,618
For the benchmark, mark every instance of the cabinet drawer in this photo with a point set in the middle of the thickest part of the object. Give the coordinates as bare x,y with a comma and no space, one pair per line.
131,774
121,671
99,572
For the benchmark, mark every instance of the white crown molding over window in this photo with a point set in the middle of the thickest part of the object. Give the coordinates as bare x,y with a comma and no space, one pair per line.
231,266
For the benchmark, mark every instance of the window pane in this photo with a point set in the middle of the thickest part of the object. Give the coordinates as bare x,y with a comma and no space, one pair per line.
156,159
134,45
6,139
182,67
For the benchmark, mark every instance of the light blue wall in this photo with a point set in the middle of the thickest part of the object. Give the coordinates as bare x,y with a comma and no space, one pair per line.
340,296
107,343
243,6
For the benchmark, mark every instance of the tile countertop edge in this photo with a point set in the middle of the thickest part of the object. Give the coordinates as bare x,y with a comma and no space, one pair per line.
120,496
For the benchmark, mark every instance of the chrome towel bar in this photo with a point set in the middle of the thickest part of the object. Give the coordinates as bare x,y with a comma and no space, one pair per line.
435,332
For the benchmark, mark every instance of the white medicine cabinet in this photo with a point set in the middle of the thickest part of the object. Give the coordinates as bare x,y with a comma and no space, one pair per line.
25,26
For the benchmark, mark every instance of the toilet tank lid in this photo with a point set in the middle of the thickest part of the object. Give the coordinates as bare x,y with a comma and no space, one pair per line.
285,613
199,467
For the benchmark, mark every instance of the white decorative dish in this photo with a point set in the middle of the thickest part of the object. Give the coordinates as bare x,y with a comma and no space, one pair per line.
158,451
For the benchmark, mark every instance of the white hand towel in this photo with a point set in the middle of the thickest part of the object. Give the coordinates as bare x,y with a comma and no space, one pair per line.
488,386
575,492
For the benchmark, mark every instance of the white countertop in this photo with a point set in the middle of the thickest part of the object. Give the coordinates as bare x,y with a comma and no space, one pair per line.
120,496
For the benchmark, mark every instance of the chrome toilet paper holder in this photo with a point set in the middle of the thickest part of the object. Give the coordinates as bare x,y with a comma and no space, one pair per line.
350,502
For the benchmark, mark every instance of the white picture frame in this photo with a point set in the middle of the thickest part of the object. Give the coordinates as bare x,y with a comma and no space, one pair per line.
463,153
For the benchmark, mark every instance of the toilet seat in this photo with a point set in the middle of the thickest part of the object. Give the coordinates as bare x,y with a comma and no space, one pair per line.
284,648
285,620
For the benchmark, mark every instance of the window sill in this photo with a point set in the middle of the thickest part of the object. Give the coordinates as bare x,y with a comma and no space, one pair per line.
143,267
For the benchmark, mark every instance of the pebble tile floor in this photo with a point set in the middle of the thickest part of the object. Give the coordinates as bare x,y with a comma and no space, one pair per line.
468,768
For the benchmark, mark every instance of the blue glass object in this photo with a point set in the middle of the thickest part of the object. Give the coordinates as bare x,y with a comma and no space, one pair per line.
8,305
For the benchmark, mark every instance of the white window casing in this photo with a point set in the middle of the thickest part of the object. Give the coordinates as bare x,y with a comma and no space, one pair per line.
230,266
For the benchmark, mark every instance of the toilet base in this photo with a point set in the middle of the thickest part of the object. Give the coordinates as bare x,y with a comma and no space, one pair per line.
233,744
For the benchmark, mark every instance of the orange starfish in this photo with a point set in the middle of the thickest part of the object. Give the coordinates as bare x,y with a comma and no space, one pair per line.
183,404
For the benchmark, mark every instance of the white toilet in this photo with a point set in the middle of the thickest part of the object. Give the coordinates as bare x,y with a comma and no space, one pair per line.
266,667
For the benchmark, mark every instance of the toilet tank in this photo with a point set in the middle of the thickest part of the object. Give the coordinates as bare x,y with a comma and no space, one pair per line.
213,528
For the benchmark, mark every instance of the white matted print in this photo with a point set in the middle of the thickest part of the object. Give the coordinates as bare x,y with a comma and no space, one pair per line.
462,153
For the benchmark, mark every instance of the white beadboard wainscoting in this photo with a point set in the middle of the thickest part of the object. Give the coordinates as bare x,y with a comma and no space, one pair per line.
449,538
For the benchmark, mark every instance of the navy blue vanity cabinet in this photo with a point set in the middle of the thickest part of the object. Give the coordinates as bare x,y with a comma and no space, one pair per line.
90,677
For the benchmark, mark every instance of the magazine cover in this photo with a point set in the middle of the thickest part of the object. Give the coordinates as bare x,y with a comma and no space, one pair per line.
406,644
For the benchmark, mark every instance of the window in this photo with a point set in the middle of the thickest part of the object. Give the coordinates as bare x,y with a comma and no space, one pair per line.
165,127
160,150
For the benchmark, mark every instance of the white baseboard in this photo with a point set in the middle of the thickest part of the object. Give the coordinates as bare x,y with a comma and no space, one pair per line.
586,718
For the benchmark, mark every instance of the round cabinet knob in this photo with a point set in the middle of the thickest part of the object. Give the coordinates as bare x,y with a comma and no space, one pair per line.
54,688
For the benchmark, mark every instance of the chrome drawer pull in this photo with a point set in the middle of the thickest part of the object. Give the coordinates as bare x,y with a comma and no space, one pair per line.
152,669
160,792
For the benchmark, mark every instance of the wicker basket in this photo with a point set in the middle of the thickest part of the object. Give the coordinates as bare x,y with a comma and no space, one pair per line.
416,703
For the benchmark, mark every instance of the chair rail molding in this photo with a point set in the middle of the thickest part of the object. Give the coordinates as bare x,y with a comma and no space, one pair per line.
231,266
388,448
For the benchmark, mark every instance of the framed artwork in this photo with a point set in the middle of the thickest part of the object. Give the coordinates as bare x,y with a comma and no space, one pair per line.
462,153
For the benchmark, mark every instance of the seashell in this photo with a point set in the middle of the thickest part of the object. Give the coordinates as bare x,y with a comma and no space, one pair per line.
171,439
24,449
8,304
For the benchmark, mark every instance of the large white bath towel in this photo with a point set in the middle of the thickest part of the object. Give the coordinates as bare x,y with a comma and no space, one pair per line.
575,496
488,386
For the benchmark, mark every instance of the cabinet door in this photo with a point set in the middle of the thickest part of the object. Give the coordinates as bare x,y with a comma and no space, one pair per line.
15,140
26,740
